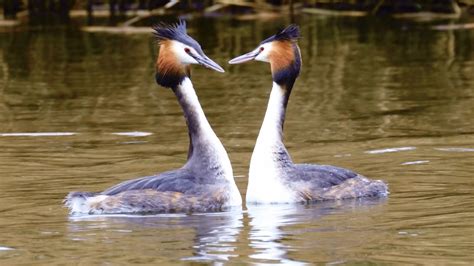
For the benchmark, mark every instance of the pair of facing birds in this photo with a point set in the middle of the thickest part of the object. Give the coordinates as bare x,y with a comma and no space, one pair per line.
206,181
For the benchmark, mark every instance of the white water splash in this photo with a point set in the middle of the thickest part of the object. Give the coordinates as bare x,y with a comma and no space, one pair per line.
391,150
80,217
133,134
38,134
415,162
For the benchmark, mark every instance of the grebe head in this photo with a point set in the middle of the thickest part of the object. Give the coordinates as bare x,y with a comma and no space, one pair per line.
281,51
177,51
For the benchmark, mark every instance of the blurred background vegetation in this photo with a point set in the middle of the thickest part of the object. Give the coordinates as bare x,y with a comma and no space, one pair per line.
16,11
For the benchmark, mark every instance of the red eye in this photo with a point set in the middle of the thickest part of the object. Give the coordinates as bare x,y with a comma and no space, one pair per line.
187,50
261,49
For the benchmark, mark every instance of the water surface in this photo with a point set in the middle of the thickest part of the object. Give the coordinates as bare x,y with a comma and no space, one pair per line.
392,100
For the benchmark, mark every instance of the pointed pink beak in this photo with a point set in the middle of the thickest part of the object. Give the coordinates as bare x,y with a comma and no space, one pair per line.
245,57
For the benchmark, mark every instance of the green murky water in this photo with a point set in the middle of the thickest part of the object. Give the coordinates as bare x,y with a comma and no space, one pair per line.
391,100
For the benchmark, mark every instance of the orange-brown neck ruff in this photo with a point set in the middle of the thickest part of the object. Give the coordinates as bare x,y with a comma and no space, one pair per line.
285,61
281,55
169,71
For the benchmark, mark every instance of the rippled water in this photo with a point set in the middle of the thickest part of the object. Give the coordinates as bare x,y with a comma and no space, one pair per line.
390,99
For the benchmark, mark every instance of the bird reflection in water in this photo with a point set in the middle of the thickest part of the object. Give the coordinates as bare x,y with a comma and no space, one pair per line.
211,236
217,241
270,241
266,234
275,233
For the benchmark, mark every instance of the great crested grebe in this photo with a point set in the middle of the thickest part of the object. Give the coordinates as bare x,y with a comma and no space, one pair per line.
205,182
273,177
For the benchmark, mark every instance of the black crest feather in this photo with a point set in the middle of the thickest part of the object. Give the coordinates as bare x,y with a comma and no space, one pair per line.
290,33
176,32
173,31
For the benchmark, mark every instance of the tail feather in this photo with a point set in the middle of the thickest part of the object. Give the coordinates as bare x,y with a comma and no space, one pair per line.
78,202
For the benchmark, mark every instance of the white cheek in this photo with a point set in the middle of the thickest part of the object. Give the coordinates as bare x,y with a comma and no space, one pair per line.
184,58
181,55
263,55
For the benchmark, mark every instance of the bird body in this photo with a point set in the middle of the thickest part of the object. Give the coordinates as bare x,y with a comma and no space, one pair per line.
273,177
206,181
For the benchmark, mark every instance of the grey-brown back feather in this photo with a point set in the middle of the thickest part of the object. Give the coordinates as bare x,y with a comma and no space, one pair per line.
181,180
152,201
319,176
326,182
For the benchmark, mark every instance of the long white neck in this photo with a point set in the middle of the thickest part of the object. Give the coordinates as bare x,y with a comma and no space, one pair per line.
207,156
270,138
270,159
205,145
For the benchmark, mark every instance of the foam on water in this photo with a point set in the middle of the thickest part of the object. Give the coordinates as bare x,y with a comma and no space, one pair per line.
100,216
38,134
387,150
415,162
133,134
